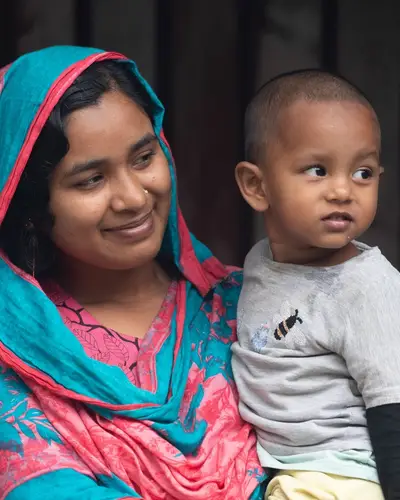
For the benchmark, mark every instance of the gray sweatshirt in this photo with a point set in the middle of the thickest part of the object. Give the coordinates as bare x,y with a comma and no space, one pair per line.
317,346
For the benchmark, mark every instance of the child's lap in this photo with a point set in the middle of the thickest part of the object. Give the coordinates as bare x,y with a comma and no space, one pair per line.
305,485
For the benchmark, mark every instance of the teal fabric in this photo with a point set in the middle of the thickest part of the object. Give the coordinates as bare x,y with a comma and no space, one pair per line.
51,486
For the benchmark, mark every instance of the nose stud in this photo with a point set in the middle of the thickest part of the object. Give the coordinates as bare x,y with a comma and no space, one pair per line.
145,191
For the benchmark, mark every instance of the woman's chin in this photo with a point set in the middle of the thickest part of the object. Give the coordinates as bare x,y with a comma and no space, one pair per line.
125,259
113,255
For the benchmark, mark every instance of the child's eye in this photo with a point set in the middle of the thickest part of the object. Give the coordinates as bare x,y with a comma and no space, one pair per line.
363,174
316,171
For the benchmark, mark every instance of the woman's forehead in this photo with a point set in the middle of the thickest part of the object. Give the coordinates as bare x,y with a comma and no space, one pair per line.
115,121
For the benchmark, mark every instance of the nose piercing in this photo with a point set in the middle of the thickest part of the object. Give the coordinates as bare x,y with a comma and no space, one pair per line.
145,191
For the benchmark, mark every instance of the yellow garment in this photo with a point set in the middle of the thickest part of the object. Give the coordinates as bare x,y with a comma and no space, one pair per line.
306,485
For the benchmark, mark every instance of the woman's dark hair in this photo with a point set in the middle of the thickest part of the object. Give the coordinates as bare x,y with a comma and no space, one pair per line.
25,231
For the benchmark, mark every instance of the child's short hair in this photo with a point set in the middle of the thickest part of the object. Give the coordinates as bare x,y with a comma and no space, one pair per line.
282,91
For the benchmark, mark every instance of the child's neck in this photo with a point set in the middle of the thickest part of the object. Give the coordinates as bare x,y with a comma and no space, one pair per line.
317,257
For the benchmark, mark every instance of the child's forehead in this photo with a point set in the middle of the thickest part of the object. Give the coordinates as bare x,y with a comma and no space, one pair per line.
301,108
314,117
325,125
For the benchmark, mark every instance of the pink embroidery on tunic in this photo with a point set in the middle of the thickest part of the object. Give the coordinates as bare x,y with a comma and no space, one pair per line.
107,345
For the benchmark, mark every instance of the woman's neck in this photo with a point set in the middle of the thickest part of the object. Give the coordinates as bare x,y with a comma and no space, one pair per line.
92,286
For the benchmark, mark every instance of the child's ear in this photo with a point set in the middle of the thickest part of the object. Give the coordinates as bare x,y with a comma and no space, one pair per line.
251,184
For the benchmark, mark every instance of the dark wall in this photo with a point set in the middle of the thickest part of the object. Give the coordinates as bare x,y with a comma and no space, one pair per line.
206,58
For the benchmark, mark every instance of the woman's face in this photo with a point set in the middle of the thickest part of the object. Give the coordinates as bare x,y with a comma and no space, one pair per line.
110,195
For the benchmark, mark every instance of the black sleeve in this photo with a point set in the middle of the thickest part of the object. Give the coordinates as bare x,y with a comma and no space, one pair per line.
384,429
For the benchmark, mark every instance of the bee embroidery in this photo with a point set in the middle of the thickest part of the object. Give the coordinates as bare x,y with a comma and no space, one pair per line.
286,325
288,329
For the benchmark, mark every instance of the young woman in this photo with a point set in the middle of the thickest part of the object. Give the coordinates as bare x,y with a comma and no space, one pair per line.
115,322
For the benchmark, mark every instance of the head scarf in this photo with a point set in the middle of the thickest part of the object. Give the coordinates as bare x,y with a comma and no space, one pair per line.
78,427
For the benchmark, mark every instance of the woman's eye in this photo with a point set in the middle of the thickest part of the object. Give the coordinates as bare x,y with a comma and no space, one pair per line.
89,183
362,174
144,159
316,171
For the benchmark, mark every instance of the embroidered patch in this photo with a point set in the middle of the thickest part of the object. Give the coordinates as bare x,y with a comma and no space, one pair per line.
287,326
260,337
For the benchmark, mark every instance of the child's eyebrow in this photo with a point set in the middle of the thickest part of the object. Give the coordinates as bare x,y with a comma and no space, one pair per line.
364,155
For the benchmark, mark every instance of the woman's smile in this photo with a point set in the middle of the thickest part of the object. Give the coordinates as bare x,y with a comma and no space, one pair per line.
134,231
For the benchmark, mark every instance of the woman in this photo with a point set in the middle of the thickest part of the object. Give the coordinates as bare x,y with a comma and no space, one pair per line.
115,322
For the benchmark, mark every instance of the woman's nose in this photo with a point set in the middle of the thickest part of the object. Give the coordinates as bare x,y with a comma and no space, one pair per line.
129,195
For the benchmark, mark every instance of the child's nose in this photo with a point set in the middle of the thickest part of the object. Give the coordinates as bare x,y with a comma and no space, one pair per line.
340,191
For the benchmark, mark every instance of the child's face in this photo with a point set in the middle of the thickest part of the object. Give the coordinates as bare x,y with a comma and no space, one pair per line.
319,185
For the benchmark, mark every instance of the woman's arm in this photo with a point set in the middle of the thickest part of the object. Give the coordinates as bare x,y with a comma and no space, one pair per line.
35,461
64,484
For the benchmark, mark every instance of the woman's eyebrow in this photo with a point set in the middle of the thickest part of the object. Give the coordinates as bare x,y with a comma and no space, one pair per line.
79,168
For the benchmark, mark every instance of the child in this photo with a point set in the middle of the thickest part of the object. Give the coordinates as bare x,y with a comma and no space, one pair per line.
317,361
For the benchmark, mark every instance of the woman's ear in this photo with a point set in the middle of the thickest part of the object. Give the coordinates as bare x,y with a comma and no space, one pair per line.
250,180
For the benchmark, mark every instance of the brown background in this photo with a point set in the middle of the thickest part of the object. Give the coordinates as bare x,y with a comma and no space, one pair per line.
205,58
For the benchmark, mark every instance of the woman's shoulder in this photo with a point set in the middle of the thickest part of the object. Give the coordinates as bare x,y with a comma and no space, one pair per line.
225,294
231,284
235,274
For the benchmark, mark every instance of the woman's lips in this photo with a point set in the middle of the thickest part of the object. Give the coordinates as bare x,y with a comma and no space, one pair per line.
134,231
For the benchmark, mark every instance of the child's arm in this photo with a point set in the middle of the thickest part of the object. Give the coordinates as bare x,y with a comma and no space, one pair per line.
384,429
371,349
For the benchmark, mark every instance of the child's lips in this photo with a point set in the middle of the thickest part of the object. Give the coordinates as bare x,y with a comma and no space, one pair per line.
338,221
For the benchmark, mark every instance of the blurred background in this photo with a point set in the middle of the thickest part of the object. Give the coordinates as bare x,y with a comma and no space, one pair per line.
205,59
